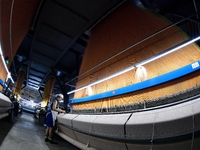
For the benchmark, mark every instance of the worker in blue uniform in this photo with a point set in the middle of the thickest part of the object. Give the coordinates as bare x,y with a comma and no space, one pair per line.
52,111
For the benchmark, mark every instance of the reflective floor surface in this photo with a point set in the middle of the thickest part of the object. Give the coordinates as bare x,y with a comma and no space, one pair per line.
27,134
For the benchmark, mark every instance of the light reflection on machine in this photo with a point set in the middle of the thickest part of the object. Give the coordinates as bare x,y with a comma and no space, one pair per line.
20,108
30,106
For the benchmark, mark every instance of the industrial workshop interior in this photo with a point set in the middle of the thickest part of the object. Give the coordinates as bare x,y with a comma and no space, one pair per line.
121,74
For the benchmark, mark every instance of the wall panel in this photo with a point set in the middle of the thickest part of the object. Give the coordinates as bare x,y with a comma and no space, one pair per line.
125,26
15,22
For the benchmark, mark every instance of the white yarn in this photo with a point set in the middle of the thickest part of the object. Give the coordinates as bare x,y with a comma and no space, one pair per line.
89,90
141,73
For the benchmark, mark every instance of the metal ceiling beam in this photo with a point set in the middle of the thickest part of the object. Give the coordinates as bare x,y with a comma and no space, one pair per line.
74,51
191,19
71,10
196,8
40,63
33,69
55,29
47,74
21,63
45,56
35,76
32,84
85,36
81,42
49,45
58,81
71,85
64,70
34,80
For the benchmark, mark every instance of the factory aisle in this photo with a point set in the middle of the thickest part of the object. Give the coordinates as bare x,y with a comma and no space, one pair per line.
27,134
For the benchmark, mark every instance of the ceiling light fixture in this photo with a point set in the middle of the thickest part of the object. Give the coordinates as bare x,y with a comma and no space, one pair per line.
166,52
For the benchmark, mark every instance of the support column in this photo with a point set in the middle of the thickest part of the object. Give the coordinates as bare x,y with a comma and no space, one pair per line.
20,80
48,90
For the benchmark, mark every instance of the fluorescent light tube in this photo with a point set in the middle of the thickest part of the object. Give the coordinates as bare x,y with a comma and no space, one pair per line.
2,57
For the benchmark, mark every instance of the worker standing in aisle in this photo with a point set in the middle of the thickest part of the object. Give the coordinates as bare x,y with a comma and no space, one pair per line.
52,111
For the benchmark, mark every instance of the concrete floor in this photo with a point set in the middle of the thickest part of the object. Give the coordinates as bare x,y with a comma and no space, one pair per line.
27,134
